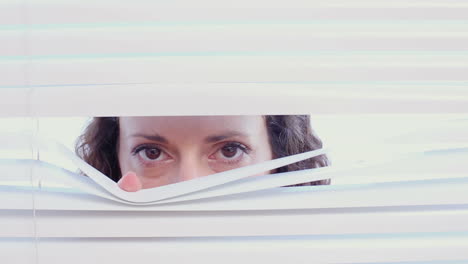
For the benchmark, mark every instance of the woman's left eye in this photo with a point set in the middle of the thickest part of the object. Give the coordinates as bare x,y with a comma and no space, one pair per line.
231,152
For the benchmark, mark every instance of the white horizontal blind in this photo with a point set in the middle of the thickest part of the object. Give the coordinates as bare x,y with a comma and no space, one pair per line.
327,56
98,58
234,99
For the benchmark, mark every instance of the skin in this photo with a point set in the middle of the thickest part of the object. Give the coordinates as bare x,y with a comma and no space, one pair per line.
156,151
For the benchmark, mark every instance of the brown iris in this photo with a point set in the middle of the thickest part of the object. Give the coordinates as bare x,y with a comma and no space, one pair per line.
153,153
229,151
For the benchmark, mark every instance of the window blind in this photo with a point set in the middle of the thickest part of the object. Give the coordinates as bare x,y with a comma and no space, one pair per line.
347,61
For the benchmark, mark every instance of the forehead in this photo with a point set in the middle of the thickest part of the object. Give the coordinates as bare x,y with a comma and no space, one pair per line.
192,125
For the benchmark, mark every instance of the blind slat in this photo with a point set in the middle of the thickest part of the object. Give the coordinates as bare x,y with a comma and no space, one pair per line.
11,15
225,98
212,69
218,38
257,4
426,248
383,194
62,224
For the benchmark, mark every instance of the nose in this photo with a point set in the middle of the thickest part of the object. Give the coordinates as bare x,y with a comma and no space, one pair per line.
190,168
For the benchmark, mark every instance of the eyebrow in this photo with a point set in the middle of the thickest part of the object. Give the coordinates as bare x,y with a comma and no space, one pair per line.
209,139
225,135
154,137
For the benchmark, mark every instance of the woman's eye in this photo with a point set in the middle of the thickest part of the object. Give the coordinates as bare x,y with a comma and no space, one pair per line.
230,151
150,153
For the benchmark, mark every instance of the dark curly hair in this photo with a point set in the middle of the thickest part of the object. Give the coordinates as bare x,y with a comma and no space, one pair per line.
288,135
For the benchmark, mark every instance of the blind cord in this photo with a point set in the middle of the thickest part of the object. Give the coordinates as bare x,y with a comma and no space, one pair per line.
35,183
34,120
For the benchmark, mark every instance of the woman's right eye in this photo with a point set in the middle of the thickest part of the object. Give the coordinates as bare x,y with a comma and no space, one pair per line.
150,153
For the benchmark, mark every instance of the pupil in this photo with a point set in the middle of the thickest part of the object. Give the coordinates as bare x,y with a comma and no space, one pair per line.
229,151
152,153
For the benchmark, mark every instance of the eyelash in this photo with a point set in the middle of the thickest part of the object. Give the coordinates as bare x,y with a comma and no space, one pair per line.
139,148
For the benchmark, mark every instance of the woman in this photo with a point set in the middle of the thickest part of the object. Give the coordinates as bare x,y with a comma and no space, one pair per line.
146,152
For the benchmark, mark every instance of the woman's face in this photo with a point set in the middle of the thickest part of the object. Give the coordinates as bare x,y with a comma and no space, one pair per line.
166,150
